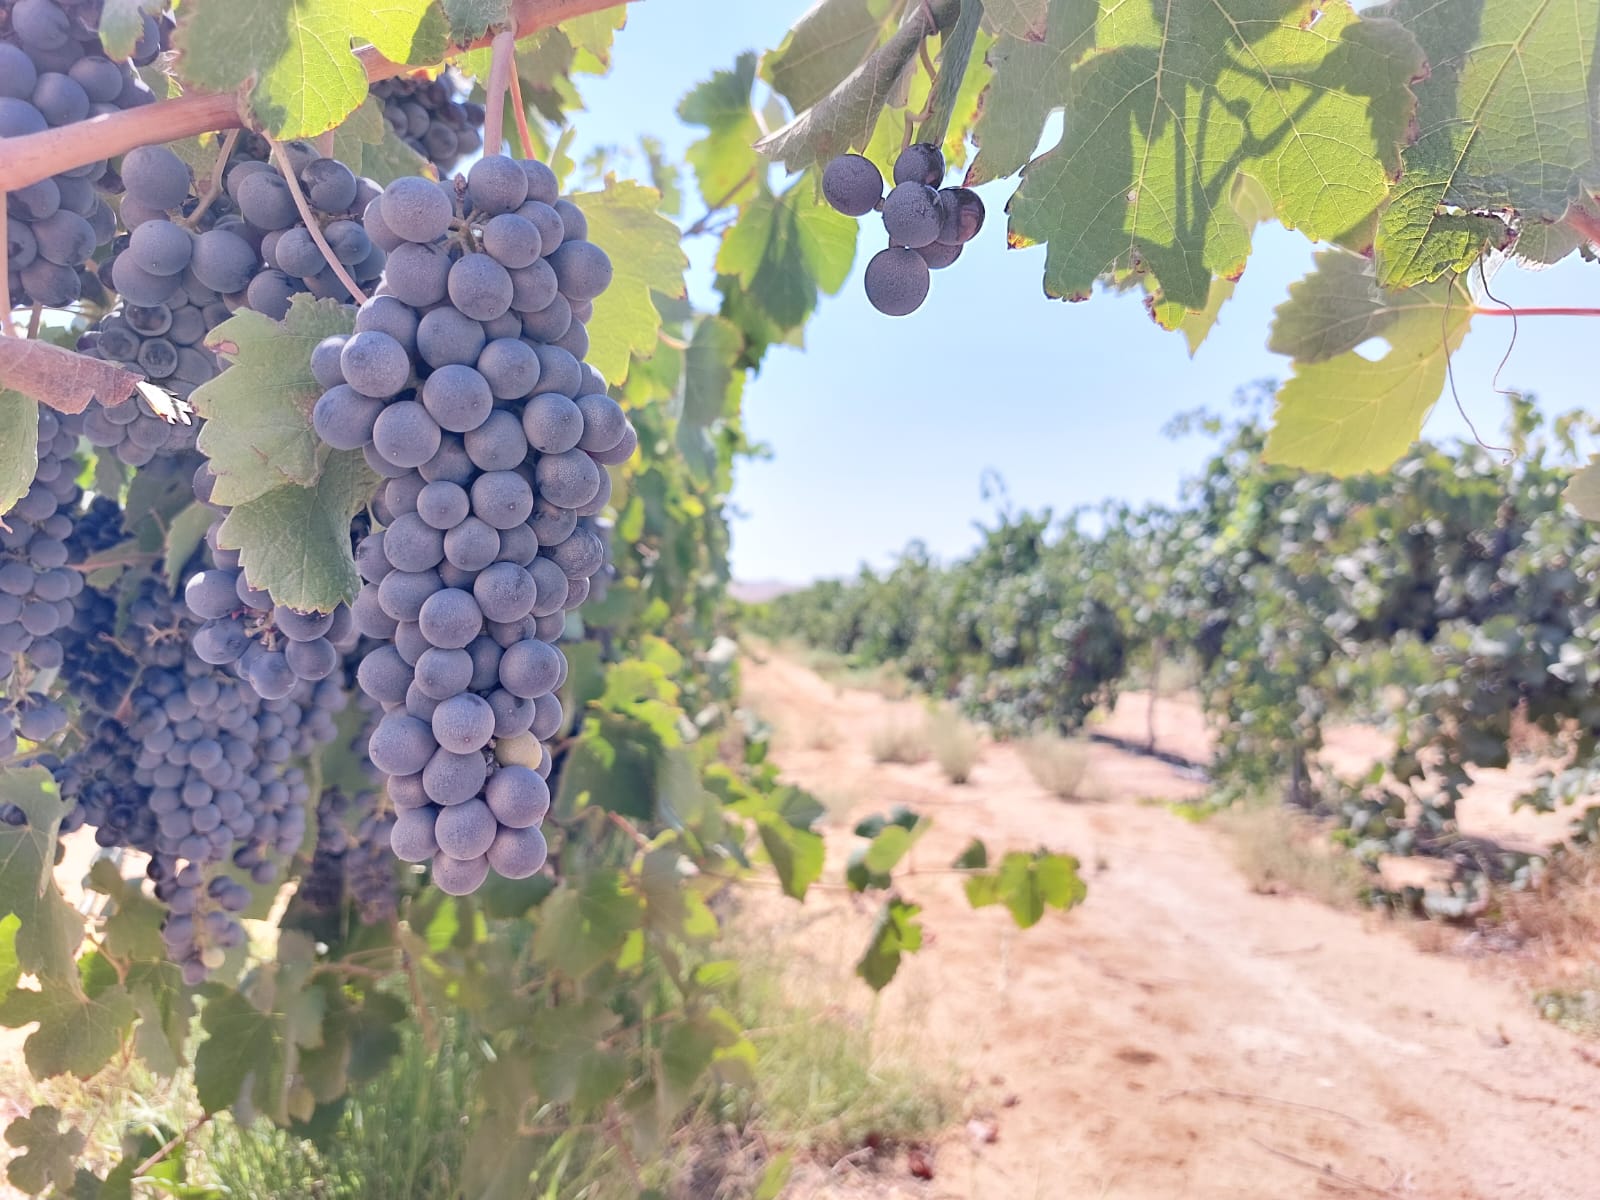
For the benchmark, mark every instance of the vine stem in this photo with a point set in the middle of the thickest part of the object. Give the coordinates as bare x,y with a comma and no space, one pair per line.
36,156
218,174
504,47
524,134
1536,312
286,169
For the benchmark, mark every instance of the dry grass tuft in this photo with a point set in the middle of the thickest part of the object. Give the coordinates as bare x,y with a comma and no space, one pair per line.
1279,852
1059,765
899,740
955,744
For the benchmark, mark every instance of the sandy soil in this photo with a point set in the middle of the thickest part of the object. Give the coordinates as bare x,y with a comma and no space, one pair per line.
1178,1035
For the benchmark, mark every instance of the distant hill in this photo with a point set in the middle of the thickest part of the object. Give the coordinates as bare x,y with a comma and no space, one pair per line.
757,591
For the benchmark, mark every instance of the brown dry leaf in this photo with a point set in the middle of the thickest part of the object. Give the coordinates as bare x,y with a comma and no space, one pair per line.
60,378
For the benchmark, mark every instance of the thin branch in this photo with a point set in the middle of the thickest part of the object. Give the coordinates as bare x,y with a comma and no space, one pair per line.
524,134
1324,1171
286,169
699,226
504,47
172,1142
5,281
1510,311
33,319
36,156
214,188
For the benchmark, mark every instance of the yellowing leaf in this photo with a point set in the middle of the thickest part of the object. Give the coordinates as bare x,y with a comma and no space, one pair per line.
645,257
298,54
1143,174
1344,413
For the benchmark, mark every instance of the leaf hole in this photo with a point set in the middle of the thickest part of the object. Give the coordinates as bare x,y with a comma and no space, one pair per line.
1374,349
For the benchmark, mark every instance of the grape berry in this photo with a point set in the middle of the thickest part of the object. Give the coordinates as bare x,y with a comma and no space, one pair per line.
927,225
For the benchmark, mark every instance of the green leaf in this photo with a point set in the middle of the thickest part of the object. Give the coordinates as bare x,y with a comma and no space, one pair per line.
859,878
896,932
889,847
784,248
825,45
645,256
370,148
295,542
133,926
1583,491
121,24
796,854
725,161
1504,123
1343,413
78,1032
1028,884
258,433
974,858
845,118
19,450
469,20
564,1039
688,1048
592,36
1146,165
582,927
166,1011
187,531
297,56
1021,19
50,1153
50,930
775,1177
244,1050
711,390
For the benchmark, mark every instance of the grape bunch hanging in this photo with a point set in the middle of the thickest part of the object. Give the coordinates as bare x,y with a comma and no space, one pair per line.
178,726
927,224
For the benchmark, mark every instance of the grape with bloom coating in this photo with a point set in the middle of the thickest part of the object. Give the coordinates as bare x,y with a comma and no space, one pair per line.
852,185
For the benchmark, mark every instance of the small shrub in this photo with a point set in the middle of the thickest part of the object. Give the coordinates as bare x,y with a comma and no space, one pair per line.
898,741
1059,765
954,743
1277,851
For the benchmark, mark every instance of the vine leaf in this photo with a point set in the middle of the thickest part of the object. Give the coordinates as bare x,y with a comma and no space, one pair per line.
133,929
582,927
243,1054
1028,884
1143,173
295,541
469,20
122,22
81,1026
1020,19
50,930
296,54
258,433
796,854
845,118
786,248
60,378
50,1153
646,255
895,934
823,48
1583,492
166,1012
183,538
1504,123
367,144
724,161
564,1042
1344,413
711,390
19,450
1030,81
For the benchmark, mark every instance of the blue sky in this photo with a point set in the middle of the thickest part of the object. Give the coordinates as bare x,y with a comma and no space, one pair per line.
882,429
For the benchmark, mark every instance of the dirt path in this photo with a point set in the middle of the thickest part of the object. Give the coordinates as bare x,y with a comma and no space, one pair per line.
1177,1037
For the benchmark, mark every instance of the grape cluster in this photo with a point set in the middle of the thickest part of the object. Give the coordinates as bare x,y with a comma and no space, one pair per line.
249,249
352,857
427,115
38,589
189,765
463,385
927,225
54,72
